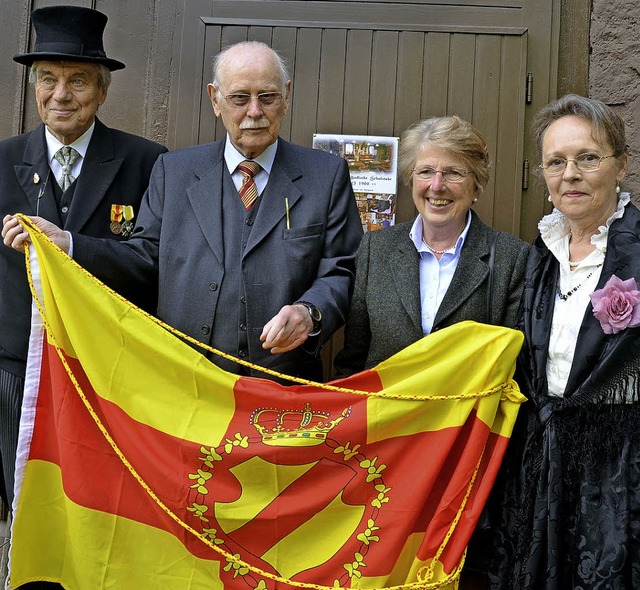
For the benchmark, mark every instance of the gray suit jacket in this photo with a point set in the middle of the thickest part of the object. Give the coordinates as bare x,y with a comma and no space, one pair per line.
386,315
176,251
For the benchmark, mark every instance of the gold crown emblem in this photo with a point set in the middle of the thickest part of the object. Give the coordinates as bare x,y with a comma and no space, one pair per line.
294,428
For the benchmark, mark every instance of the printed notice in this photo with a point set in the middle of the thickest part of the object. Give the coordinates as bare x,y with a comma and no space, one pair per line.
373,165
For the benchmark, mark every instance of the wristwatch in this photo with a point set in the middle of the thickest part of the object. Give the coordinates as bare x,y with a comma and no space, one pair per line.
316,317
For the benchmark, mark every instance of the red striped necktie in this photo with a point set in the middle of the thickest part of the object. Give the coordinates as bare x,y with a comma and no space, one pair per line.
248,190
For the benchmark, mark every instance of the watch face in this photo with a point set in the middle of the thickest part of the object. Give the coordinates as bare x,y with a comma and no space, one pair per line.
316,316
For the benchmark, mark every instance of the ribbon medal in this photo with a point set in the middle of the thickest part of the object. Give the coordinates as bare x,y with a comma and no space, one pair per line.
127,226
116,219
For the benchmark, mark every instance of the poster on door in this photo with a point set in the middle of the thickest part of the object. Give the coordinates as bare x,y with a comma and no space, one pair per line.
373,166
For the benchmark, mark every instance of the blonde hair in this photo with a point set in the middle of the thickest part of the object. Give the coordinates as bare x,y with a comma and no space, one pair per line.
450,133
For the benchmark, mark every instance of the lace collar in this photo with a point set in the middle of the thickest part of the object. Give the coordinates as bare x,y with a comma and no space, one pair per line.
554,231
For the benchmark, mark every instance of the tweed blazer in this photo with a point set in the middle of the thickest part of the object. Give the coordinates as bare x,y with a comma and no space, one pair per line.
115,170
177,252
386,315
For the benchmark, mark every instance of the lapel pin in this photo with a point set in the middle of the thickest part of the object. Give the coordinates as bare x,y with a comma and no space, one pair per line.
36,178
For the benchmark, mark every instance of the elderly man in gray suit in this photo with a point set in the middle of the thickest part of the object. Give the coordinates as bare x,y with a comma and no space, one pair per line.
248,242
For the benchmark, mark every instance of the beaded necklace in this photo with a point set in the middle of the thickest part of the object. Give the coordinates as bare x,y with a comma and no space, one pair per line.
437,251
565,296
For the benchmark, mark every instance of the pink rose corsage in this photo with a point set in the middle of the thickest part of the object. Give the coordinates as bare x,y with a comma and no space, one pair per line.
617,305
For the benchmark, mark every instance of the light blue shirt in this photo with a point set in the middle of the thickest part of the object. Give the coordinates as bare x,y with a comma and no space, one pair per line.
435,275
233,157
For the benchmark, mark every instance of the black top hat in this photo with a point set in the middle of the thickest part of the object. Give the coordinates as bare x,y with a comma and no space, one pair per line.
68,33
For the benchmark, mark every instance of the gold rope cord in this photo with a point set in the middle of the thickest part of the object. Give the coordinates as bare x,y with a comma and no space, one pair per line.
424,575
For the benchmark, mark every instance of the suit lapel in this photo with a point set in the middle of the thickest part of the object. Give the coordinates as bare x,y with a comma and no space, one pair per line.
472,270
35,178
273,207
98,172
405,271
205,196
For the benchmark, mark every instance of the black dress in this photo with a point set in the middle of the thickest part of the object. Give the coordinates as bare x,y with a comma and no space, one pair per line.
565,512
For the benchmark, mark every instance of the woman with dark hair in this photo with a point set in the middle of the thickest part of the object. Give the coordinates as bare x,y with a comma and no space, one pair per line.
568,505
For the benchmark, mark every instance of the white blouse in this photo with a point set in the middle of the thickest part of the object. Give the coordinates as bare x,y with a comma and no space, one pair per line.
568,313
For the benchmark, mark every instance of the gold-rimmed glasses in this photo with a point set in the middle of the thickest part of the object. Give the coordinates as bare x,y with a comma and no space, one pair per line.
449,174
587,162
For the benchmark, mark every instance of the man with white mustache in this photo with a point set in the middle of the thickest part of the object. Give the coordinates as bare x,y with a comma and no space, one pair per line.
248,242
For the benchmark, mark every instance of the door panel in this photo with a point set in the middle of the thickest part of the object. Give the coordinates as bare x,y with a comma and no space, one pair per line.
373,69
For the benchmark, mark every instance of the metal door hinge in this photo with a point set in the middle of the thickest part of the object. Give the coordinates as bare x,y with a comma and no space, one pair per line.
529,93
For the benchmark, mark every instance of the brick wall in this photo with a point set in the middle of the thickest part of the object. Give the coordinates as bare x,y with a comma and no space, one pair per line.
614,72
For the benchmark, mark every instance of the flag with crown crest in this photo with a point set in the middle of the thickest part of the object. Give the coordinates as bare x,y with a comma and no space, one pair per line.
143,465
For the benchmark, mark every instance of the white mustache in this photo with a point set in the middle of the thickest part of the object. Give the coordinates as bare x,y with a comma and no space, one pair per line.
255,123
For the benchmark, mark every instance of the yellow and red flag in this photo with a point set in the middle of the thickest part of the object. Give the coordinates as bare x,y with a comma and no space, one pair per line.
142,465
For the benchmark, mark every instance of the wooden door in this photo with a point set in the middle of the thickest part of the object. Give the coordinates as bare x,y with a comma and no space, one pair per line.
375,68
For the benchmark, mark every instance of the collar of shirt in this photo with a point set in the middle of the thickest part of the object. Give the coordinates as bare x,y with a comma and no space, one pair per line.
233,157
435,275
555,233
416,237
80,145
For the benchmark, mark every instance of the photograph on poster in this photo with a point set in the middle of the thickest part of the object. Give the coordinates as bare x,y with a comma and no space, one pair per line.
376,210
372,165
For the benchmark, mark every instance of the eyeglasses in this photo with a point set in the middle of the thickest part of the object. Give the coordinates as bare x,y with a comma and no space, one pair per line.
266,99
584,162
449,174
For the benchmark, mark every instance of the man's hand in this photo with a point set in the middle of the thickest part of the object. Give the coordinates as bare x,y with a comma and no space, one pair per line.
287,330
15,236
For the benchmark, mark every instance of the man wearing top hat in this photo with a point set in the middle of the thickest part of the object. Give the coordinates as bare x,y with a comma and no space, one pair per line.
249,242
93,188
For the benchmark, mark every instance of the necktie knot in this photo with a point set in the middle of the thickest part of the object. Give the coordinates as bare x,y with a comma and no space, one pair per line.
248,190
249,168
66,156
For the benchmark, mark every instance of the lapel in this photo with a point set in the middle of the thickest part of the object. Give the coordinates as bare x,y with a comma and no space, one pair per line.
205,195
35,161
285,171
471,271
623,260
99,169
405,272
538,303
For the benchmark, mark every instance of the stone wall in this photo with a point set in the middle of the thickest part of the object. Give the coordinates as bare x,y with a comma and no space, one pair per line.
614,72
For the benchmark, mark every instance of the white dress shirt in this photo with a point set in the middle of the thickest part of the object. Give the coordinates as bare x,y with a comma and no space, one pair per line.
80,145
233,157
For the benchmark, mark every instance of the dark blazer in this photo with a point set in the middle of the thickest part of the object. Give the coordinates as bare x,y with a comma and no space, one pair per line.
386,315
598,356
177,248
565,508
115,171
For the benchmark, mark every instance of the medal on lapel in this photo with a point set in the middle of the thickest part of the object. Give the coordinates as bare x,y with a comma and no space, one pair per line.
127,226
116,219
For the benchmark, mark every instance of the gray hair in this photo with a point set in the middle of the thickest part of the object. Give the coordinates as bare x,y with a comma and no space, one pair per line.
104,74
607,125
220,60
450,133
